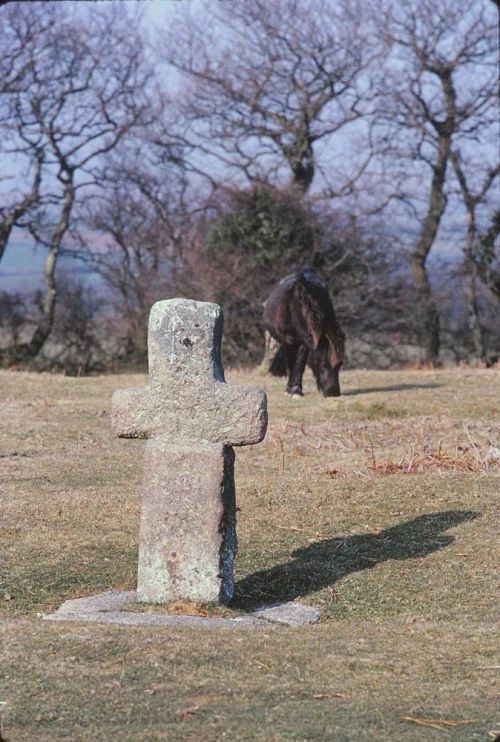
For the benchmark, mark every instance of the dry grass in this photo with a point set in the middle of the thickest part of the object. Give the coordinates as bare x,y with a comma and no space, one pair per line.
403,568
462,459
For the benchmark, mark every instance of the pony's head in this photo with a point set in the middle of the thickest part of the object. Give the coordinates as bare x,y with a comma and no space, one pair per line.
325,361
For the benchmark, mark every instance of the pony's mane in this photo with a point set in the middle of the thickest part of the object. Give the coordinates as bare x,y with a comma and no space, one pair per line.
319,315
312,311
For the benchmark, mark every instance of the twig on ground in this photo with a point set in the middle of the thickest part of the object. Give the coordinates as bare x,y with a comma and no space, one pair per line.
281,446
440,724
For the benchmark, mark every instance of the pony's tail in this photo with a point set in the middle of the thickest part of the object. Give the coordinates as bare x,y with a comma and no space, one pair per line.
278,367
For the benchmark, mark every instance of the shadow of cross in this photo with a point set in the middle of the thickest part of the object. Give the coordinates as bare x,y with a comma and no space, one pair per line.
323,563
191,418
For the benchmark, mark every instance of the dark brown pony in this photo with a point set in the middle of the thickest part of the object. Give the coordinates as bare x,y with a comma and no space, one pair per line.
299,314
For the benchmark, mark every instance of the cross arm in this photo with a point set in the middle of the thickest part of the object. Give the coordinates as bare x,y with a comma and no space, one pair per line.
244,414
130,413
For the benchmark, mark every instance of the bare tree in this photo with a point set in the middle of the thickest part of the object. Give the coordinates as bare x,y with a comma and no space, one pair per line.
82,93
12,213
472,199
488,256
441,88
15,76
141,220
266,82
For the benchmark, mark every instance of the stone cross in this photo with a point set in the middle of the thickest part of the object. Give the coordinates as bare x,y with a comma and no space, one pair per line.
191,418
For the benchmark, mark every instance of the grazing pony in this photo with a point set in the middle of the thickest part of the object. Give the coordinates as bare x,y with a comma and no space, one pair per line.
299,314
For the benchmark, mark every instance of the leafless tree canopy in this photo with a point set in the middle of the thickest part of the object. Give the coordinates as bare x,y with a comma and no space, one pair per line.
73,89
267,81
440,93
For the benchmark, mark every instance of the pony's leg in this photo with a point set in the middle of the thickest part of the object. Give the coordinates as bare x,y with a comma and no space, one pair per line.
296,369
290,352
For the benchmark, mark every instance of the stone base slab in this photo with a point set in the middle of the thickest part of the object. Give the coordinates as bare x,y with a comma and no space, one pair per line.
107,607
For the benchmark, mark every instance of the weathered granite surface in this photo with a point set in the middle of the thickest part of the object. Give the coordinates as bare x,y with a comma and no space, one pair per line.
108,607
290,614
191,419
187,539
187,398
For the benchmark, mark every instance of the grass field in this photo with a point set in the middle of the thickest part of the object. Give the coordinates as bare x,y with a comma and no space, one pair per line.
377,507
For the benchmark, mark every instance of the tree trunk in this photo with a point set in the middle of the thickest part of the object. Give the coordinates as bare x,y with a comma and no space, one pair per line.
473,316
485,263
474,263
300,156
25,352
270,347
429,317
429,325
471,291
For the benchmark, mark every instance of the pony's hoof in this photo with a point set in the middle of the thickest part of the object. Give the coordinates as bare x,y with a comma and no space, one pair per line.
295,393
